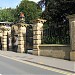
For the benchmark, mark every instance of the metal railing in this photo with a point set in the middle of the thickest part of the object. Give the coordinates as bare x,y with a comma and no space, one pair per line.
56,35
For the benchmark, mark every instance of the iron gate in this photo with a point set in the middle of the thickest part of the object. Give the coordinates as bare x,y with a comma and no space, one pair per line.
29,38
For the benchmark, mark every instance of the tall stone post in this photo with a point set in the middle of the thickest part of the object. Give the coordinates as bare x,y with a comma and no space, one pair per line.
21,34
72,35
1,35
22,38
37,32
4,39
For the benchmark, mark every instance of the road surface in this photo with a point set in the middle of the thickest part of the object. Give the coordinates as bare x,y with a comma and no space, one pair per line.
12,67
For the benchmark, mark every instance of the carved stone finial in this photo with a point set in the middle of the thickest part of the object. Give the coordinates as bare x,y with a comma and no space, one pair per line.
22,15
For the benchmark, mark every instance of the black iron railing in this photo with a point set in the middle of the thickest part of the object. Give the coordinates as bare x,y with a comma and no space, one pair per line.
56,35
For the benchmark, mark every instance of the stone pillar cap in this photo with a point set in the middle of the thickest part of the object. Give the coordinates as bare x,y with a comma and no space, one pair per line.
4,28
70,16
39,20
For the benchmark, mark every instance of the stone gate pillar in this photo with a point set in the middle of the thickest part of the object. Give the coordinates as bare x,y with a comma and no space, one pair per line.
22,38
4,38
22,34
37,32
72,35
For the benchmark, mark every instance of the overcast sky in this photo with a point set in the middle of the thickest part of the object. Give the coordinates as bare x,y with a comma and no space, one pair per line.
11,3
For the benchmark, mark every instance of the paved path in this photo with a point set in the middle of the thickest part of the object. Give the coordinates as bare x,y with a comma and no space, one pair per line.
48,61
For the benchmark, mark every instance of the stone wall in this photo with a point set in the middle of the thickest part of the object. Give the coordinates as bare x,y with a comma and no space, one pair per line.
55,50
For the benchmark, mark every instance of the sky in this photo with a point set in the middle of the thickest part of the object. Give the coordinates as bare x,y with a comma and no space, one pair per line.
11,3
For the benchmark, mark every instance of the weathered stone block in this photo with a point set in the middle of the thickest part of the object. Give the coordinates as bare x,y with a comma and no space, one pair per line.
4,46
4,37
5,33
21,38
36,27
5,40
21,50
35,52
35,46
37,42
21,42
37,37
72,55
36,32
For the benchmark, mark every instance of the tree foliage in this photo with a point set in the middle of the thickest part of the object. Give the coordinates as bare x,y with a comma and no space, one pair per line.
30,9
7,14
55,13
57,10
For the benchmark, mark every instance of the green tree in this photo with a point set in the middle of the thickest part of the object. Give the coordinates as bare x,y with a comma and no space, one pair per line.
30,9
55,13
7,14
57,10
